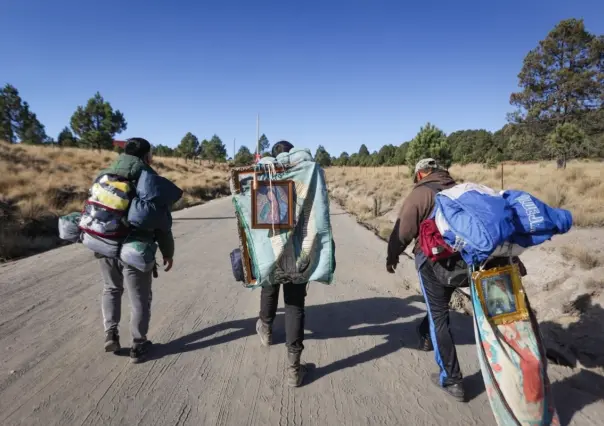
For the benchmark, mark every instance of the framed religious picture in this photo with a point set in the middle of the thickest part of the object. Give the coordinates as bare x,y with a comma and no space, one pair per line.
273,205
501,294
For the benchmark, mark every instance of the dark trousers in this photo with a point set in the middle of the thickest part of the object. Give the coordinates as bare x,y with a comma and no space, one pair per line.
436,323
294,296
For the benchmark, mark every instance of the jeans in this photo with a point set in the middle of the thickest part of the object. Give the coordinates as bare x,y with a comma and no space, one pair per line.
116,274
294,296
436,323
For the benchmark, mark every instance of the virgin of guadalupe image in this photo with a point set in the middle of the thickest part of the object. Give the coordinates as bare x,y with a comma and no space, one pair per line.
273,206
499,297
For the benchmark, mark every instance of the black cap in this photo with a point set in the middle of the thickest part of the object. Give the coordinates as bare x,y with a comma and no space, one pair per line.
281,146
138,147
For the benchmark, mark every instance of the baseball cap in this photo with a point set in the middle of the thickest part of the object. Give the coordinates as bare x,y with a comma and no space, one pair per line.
426,163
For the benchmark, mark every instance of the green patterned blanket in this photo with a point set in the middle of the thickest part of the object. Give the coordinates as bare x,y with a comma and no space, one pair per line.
304,253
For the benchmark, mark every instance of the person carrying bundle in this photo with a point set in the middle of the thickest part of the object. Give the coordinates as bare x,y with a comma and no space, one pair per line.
125,219
434,330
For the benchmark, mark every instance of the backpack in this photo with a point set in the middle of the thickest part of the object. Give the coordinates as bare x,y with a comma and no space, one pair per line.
430,240
447,265
105,212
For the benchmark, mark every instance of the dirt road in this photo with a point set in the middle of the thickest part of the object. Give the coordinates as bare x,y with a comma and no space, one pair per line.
208,367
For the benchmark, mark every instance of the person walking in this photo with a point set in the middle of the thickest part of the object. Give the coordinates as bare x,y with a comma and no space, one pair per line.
294,296
117,275
434,330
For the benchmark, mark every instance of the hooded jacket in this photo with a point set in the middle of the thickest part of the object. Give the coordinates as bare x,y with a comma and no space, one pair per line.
416,208
131,167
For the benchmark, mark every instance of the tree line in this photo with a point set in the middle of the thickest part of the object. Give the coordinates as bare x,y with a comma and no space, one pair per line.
559,112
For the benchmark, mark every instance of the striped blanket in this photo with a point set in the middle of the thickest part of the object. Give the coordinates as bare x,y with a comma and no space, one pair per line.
304,253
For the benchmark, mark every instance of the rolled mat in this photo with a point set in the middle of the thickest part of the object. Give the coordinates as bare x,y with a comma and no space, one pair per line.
514,368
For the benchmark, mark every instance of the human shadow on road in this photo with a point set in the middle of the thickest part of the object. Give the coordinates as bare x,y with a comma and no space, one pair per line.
378,316
580,341
574,393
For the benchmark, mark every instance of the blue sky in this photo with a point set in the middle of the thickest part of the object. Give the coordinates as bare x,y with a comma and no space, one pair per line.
336,73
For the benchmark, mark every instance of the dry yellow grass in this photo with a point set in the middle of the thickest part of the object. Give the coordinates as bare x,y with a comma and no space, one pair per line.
39,183
374,194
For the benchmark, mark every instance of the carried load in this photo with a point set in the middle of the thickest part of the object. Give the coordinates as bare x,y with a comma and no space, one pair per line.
488,229
122,214
282,209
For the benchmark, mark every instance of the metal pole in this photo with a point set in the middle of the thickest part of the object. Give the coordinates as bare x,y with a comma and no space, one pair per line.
502,175
234,139
258,134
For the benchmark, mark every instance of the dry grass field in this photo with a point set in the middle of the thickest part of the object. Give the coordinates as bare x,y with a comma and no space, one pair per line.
38,183
375,195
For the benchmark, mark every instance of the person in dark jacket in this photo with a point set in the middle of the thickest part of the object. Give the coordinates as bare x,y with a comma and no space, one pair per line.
117,275
434,331
294,296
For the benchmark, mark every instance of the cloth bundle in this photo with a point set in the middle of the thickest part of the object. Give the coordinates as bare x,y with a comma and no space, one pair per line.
304,253
480,223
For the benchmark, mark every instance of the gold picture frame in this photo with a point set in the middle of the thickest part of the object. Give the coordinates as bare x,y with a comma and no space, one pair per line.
273,205
501,294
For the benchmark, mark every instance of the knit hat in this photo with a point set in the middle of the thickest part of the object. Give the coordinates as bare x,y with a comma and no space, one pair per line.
138,147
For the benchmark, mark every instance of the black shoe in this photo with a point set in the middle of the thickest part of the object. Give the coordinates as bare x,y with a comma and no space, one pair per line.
455,390
295,370
112,341
425,342
139,352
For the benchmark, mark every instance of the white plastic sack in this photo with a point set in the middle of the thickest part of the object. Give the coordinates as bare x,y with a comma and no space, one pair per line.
68,227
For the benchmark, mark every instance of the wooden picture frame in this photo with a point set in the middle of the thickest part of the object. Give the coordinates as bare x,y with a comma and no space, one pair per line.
501,294
272,198
248,276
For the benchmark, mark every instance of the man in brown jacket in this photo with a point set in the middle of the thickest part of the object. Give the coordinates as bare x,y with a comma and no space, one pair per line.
434,332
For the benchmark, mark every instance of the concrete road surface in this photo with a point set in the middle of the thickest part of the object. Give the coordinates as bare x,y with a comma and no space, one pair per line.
208,367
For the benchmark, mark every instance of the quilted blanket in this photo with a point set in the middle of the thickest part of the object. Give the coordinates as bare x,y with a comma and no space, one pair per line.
304,253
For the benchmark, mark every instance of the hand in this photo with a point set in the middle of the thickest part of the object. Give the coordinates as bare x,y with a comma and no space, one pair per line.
391,268
168,262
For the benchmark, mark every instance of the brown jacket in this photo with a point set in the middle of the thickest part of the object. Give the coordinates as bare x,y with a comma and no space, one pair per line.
416,208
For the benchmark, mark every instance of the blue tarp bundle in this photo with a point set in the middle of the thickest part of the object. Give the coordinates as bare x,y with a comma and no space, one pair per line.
475,220
150,209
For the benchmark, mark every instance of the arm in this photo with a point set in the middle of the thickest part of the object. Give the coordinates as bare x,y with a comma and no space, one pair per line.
416,208
165,241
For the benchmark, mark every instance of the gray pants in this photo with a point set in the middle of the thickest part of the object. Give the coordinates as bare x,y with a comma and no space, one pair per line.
115,274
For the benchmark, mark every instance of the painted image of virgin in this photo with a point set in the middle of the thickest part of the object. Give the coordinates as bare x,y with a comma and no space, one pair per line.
499,296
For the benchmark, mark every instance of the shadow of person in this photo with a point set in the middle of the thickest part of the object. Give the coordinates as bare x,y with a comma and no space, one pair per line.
352,320
324,321
576,392
580,340
378,316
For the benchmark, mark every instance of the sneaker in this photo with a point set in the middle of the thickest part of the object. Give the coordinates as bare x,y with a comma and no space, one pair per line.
265,333
112,341
139,352
295,370
455,390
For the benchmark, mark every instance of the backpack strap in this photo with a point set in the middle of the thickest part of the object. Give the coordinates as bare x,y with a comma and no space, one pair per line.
434,186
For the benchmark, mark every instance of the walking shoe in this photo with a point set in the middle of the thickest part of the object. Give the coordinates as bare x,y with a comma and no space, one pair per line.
425,342
139,352
295,370
265,333
112,341
455,390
